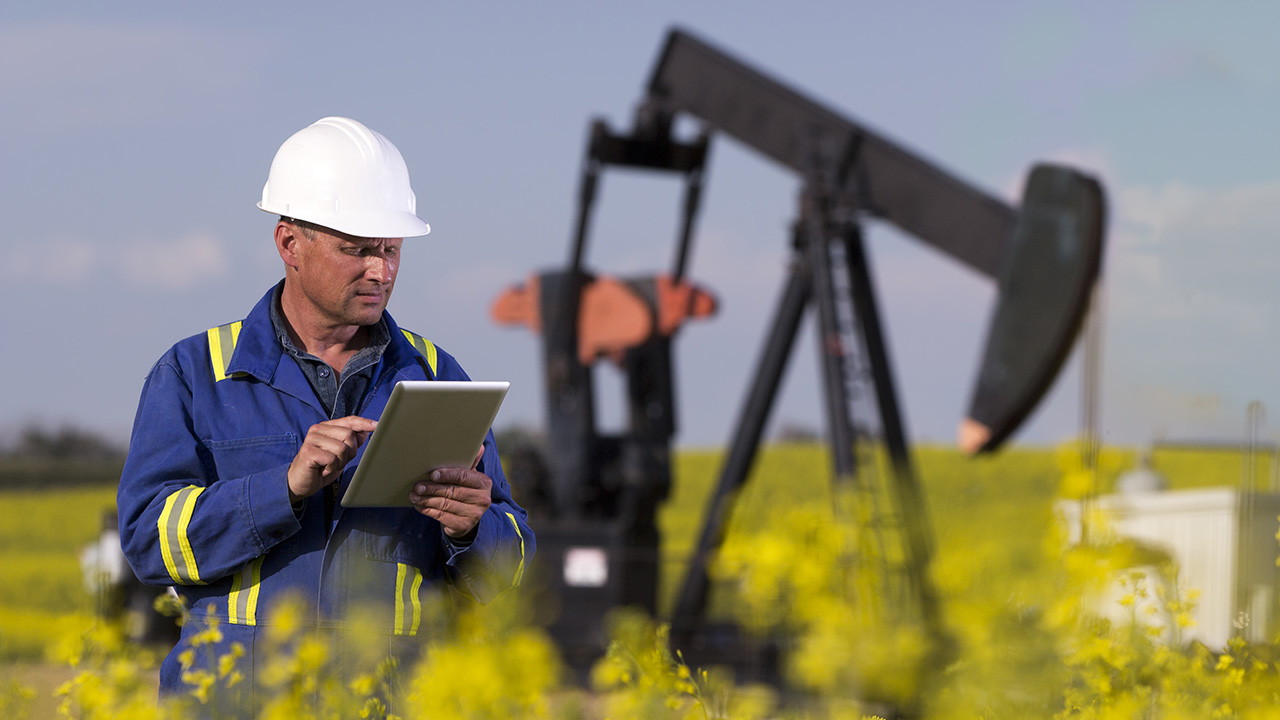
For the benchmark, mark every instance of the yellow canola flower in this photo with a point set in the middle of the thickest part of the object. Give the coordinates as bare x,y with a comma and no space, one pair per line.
313,653
1077,484
227,662
286,620
364,685
200,682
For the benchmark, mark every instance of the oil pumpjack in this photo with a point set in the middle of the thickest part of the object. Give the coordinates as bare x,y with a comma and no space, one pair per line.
598,542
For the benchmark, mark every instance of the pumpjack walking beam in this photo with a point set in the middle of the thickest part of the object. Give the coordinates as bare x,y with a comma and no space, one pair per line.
1045,255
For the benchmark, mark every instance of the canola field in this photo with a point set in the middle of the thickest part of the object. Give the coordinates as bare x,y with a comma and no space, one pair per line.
989,519
41,537
990,507
44,531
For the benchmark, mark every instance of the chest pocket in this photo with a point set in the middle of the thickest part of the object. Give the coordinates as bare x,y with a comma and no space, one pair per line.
246,456
398,535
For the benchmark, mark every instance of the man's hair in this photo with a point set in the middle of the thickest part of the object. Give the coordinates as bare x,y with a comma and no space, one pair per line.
307,228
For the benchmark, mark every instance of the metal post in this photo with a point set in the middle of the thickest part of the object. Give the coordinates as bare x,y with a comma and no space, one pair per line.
692,197
831,350
909,496
691,603
570,392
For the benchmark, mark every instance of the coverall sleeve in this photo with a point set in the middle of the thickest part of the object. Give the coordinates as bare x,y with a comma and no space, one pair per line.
181,524
496,559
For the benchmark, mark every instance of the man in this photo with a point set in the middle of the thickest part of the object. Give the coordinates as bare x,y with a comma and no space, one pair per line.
246,435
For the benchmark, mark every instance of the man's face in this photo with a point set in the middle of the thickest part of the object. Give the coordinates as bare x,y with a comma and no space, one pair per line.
346,280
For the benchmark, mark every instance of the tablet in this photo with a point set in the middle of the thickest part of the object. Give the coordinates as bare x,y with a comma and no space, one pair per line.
427,424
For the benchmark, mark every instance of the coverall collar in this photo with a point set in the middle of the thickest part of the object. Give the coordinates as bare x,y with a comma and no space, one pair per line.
259,353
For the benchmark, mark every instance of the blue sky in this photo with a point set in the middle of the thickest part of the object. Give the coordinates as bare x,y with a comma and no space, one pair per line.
137,141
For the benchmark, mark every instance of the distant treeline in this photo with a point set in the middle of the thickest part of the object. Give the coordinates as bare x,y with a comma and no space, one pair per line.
41,458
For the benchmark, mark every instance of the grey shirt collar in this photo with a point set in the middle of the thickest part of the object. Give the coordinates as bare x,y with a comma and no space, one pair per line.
339,396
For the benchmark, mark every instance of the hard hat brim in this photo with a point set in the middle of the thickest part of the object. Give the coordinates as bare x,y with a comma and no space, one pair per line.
371,224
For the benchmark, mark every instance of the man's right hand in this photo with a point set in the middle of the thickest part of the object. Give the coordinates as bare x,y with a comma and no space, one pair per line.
327,449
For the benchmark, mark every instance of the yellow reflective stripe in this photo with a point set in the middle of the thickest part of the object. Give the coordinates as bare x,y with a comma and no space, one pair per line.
417,603
519,569
423,346
407,600
243,603
162,527
222,344
401,571
184,521
215,355
175,545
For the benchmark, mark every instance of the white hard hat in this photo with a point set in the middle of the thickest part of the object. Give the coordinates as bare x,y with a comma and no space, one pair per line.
342,175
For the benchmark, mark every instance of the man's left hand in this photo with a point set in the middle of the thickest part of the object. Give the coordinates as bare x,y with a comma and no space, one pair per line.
456,497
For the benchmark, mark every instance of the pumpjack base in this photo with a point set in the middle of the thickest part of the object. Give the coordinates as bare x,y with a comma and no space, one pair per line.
584,570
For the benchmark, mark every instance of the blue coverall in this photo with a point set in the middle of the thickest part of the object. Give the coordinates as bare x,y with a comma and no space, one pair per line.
204,504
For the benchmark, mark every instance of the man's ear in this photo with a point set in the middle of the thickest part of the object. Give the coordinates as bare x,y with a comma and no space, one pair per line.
287,238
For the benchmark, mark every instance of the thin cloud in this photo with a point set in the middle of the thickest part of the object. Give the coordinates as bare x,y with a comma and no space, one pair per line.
193,259
1191,291
1216,241
57,260
172,264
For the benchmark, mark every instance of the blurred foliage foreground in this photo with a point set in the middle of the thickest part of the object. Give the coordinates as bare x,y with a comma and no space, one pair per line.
1020,637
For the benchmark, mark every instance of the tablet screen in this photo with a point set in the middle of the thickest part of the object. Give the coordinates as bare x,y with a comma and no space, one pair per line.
427,424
